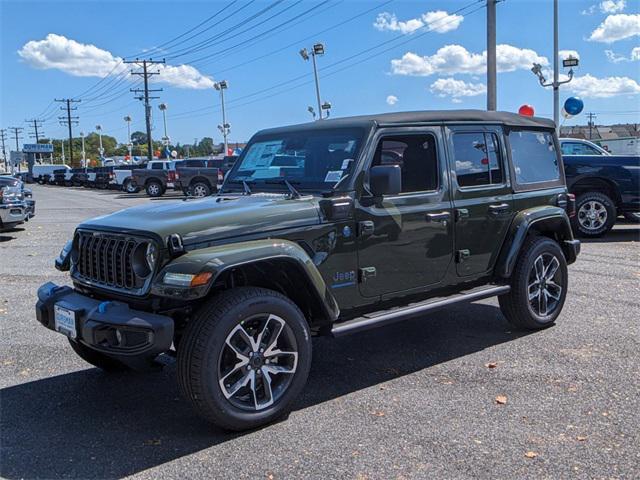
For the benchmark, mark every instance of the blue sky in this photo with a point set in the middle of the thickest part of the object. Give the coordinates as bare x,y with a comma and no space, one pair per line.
406,55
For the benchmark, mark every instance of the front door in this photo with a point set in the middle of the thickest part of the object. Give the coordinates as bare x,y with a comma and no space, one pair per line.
405,241
482,196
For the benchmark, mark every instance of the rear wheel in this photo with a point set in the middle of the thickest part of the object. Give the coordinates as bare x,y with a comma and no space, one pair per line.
245,358
129,186
538,285
596,214
97,359
154,188
200,189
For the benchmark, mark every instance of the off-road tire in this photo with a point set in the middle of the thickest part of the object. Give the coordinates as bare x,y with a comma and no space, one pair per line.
515,305
199,189
597,198
154,189
199,352
97,359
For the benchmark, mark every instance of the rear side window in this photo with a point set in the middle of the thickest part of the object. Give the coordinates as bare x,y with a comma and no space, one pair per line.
534,156
156,166
575,148
477,159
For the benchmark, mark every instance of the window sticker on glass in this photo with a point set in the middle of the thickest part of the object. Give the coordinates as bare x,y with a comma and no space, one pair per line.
333,176
345,163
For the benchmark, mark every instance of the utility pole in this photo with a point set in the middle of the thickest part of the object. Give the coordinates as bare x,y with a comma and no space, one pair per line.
16,135
491,56
591,116
3,137
145,73
225,128
69,121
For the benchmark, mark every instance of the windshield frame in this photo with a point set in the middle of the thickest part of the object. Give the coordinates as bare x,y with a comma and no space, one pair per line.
277,184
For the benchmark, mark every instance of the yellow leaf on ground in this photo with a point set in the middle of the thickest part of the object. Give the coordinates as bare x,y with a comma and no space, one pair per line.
531,454
501,399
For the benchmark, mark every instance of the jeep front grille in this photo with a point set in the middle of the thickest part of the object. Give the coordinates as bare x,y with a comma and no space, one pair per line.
107,260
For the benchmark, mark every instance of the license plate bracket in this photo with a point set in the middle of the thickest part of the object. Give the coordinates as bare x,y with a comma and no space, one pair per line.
65,321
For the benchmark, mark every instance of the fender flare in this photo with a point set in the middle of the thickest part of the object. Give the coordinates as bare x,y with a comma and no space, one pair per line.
221,259
544,219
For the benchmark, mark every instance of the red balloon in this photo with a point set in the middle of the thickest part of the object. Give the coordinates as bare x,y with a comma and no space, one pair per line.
527,111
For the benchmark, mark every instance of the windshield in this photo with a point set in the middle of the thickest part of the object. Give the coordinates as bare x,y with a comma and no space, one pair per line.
307,159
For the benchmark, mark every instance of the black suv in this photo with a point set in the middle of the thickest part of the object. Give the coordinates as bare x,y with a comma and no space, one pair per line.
325,228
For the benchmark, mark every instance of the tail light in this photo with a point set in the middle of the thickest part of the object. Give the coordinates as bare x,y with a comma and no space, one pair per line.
176,175
171,176
571,205
220,175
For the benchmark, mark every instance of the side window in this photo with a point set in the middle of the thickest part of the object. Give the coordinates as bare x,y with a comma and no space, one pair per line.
415,155
477,159
156,166
534,156
575,148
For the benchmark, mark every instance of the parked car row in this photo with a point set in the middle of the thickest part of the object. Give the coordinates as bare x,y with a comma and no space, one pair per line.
193,177
16,203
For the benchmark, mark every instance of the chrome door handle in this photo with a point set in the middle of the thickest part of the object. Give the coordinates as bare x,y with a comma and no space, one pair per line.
438,217
499,208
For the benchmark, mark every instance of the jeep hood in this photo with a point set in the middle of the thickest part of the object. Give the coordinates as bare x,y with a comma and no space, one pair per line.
212,218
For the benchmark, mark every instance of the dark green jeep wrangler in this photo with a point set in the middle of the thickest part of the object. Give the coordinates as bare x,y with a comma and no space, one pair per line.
325,228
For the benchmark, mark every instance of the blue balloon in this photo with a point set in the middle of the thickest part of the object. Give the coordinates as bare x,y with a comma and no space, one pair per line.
573,105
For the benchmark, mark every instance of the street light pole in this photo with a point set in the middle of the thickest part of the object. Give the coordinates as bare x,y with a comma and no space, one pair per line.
128,120
64,160
568,62
165,139
225,127
317,49
491,56
84,158
101,150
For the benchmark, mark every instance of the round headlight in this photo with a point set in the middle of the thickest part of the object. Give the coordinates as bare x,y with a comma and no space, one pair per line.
151,255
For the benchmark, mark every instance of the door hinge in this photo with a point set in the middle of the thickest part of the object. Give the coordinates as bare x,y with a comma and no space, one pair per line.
461,255
367,273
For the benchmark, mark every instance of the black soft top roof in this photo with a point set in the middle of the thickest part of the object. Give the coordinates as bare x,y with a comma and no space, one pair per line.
422,117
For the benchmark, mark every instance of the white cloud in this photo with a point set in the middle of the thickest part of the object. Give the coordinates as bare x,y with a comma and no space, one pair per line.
450,87
452,59
612,6
618,58
617,27
437,21
392,100
589,11
86,60
593,87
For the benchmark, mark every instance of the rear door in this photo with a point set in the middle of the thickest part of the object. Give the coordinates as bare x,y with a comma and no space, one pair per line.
482,196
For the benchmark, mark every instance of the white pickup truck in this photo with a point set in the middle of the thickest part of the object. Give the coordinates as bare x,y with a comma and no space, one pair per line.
122,178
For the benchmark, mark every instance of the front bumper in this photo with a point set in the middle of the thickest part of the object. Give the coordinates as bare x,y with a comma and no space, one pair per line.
132,337
12,214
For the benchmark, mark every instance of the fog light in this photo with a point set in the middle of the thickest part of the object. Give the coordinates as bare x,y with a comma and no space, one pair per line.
119,336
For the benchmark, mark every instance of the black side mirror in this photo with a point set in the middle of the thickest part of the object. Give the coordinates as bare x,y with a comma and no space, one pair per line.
385,180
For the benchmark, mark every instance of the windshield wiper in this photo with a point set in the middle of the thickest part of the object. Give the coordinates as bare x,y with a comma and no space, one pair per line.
294,193
245,185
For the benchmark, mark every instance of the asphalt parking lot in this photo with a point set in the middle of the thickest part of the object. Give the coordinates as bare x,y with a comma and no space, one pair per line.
412,400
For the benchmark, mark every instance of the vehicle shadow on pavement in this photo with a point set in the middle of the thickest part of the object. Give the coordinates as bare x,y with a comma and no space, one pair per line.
629,233
88,424
6,235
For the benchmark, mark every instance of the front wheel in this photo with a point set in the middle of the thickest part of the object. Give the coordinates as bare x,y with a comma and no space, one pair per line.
244,358
538,285
129,186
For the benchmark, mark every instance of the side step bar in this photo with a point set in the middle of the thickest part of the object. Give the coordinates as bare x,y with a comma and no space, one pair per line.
386,317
